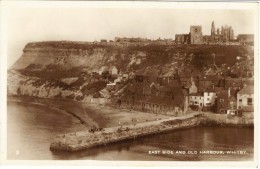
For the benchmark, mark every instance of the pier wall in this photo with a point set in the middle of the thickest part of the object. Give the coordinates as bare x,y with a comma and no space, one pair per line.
224,119
84,140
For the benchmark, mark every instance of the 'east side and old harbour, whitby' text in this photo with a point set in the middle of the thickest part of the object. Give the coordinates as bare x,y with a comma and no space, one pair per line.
201,152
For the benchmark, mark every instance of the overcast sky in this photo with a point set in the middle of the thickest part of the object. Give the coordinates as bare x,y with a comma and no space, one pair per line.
81,24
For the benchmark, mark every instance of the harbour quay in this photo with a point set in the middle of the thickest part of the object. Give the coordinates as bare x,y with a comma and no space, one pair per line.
84,139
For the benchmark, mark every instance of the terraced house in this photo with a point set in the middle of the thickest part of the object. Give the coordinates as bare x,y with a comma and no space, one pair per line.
196,101
226,102
151,97
245,99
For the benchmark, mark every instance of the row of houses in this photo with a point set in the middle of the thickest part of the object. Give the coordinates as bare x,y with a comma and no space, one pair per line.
224,101
151,97
135,41
201,79
177,99
187,78
220,95
147,91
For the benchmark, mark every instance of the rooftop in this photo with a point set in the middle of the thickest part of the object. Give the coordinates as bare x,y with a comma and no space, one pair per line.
247,90
147,72
196,94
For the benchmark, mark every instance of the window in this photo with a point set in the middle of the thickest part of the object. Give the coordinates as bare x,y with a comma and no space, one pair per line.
240,100
195,97
207,99
208,94
249,101
221,100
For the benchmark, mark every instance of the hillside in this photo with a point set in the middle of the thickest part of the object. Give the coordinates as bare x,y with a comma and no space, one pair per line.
72,57
63,69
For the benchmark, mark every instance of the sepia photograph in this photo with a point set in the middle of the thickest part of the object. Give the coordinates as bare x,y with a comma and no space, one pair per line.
133,81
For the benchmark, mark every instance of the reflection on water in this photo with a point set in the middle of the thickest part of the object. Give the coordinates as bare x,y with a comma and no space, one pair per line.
31,128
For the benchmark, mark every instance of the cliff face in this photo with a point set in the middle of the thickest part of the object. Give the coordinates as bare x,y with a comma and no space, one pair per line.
66,55
53,69
62,57
19,85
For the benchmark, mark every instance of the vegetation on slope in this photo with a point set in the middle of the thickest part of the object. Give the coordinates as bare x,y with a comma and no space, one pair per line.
197,56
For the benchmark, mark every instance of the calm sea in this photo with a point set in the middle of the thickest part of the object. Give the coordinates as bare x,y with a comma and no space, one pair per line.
32,127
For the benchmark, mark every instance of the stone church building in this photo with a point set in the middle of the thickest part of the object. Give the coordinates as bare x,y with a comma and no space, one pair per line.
225,34
194,37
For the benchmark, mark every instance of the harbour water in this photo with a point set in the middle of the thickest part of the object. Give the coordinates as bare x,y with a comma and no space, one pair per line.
31,128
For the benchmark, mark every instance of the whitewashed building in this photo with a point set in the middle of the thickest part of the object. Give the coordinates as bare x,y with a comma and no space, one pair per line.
196,99
113,70
103,69
209,98
245,99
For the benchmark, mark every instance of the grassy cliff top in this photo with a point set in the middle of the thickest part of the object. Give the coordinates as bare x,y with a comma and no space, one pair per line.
202,49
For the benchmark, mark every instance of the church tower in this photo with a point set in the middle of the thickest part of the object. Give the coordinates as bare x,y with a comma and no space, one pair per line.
196,36
213,29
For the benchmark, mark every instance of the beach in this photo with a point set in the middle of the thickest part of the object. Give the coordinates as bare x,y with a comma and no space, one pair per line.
107,116
93,114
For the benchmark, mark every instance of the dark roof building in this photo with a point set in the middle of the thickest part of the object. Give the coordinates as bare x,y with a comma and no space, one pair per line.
226,102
